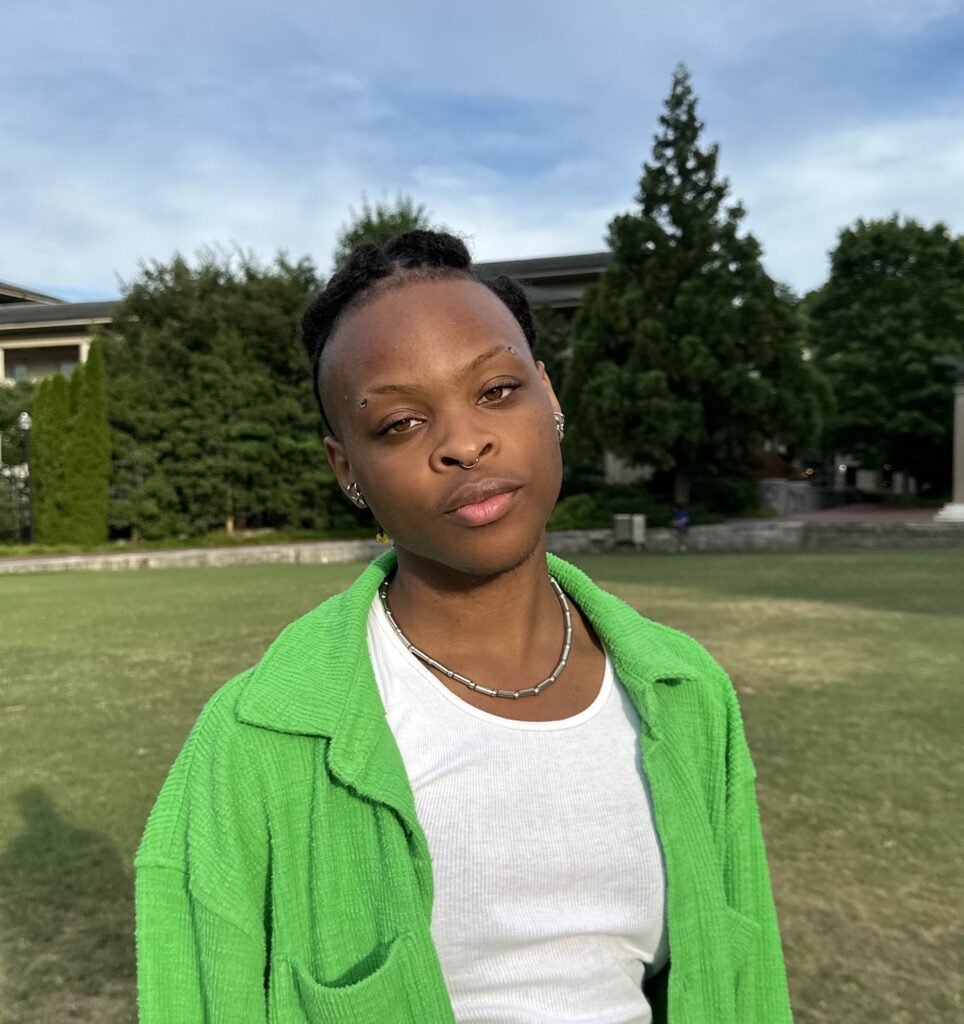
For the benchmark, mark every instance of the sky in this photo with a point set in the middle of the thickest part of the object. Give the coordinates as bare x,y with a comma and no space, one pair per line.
129,132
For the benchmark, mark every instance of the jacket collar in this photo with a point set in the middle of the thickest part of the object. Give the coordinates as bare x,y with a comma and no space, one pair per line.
316,678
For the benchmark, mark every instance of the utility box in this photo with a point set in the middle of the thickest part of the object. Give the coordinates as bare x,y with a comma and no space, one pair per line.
630,529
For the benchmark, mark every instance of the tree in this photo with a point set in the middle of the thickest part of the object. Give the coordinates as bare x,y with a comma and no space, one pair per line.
213,419
379,222
88,452
894,301
553,342
49,464
686,355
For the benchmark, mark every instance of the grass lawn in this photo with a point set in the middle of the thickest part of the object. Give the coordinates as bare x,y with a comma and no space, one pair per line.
851,674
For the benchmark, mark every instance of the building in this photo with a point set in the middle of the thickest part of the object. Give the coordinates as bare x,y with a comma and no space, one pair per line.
41,335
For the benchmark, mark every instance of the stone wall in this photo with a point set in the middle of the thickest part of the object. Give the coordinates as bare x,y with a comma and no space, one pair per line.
753,535
308,552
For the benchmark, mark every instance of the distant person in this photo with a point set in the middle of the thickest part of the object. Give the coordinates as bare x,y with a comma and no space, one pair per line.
680,524
474,786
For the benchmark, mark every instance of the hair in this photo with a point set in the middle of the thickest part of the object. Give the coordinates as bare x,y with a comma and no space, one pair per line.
373,268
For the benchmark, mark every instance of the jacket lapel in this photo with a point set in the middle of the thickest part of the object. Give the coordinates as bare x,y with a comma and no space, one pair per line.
316,679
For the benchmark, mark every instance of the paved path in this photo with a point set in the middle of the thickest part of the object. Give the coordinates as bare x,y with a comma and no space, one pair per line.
868,513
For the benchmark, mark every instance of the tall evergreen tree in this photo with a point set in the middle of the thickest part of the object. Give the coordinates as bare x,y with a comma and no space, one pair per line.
50,432
76,381
686,355
894,301
378,222
88,452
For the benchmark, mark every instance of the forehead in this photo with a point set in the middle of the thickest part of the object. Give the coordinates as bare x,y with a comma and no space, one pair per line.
419,325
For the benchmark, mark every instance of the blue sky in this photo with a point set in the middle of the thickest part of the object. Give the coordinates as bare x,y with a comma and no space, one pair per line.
131,131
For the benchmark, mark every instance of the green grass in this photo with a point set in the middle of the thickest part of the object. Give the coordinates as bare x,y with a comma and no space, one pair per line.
850,669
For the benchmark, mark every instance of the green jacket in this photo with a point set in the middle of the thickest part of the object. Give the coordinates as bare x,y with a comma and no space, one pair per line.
284,876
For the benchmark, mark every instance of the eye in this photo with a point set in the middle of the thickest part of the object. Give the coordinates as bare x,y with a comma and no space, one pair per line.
400,426
501,391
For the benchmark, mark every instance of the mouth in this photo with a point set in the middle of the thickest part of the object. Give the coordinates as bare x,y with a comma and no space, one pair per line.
481,503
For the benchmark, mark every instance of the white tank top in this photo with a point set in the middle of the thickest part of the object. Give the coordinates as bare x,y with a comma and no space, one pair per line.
549,881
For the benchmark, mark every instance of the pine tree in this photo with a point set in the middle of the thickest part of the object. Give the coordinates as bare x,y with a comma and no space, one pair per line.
88,452
686,355
52,417
76,386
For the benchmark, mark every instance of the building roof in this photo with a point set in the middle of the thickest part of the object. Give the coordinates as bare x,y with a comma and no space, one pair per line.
549,280
15,293
16,315
587,264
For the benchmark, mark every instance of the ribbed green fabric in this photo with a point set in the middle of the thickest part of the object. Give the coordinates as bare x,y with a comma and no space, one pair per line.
284,876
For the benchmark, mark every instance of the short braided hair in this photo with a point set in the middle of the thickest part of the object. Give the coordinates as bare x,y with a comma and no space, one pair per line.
372,268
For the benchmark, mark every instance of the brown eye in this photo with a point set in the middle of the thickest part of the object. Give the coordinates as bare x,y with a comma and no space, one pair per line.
500,392
400,426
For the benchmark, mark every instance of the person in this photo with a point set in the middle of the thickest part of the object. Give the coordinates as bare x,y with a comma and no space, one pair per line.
473,786
680,524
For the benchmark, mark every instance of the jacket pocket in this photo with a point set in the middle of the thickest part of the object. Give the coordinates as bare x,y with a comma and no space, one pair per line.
743,934
381,997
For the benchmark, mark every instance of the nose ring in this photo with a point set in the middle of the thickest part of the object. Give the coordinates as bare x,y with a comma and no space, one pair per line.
470,465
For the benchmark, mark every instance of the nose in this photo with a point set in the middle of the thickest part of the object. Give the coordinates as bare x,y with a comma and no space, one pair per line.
463,446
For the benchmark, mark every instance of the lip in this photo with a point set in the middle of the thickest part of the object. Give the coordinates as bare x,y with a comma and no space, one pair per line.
482,501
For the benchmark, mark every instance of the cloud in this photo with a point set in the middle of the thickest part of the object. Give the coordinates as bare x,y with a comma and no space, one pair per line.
799,199
127,133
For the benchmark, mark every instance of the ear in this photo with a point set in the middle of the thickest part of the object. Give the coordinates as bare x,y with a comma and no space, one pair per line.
553,401
338,460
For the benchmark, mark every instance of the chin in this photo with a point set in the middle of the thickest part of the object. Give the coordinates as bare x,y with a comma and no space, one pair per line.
486,554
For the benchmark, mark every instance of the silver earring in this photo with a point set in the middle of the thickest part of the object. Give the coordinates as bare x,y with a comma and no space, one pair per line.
355,496
560,425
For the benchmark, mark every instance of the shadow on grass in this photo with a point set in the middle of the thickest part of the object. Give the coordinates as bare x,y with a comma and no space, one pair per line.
66,921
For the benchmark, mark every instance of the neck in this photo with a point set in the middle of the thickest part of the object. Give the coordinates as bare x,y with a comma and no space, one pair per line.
511,616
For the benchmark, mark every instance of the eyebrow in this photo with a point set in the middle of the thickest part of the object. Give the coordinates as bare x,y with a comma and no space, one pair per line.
413,389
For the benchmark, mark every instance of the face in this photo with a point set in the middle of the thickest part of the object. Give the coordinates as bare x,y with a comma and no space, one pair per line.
421,381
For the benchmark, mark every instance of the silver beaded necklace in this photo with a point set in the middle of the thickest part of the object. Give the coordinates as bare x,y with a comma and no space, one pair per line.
531,691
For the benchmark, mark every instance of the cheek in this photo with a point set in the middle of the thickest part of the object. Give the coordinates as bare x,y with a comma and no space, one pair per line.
393,486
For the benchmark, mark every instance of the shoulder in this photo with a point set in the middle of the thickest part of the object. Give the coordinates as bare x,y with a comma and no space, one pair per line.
647,648
234,761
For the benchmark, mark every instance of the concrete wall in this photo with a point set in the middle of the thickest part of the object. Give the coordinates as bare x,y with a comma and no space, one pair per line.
309,553
789,497
749,536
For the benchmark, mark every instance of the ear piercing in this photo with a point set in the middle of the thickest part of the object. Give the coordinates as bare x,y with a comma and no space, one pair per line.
560,425
355,495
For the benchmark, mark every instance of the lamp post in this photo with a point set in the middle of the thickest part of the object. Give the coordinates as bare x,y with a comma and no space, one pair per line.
953,512
25,421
